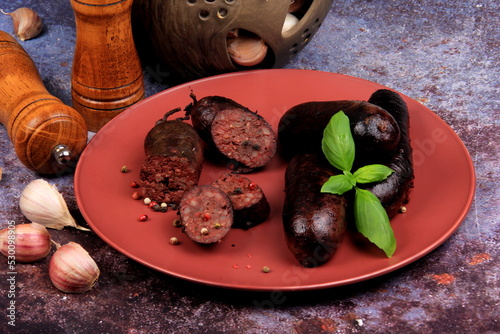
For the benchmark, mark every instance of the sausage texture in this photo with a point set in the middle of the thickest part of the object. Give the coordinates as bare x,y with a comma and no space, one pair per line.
314,222
206,214
174,158
394,191
250,204
375,131
239,134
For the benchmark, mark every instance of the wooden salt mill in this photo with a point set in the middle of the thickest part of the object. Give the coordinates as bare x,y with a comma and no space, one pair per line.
107,73
48,135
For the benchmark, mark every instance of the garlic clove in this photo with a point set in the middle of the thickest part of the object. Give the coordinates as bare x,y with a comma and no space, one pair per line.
290,21
27,23
25,243
42,203
246,50
72,269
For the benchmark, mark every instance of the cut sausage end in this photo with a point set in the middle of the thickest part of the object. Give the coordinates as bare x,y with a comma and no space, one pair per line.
206,214
244,136
249,202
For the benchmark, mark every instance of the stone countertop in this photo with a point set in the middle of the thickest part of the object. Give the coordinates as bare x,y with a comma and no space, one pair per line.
444,54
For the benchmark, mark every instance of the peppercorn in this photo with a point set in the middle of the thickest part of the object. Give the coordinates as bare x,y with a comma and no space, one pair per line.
206,216
266,269
134,184
204,231
174,241
252,185
136,195
124,169
143,218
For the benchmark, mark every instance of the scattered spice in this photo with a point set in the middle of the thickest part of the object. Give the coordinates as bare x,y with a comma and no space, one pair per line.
204,231
248,266
174,241
177,223
136,195
217,226
134,184
143,218
444,279
402,209
124,169
252,185
147,201
206,216
235,266
152,204
479,258
266,269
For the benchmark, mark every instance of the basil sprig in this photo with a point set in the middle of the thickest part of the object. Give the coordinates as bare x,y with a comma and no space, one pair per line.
370,216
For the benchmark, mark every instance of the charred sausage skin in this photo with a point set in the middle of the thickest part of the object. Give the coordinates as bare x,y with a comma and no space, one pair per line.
239,134
394,191
174,158
375,131
314,222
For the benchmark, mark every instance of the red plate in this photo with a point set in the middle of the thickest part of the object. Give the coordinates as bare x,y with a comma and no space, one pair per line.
444,189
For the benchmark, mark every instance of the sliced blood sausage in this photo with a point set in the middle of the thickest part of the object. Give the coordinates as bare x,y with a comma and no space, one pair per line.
206,214
314,222
239,134
394,191
375,131
244,136
174,158
250,204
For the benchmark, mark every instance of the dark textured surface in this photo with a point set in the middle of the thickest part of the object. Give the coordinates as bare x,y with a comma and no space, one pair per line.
444,54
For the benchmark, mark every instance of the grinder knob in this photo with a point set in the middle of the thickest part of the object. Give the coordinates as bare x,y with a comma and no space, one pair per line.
36,121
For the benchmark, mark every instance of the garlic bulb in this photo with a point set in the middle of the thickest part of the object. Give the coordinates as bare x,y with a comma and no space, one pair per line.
246,50
25,242
42,203
27,23
72,269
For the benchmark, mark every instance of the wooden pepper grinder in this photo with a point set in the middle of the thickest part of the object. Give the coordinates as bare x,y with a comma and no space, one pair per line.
107,73
47,134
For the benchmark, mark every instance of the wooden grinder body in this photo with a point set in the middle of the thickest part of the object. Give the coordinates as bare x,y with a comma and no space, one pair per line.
107,74
36,121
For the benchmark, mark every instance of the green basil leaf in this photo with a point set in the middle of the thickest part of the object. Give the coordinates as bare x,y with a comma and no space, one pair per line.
337,184
372,173
337,143
372,221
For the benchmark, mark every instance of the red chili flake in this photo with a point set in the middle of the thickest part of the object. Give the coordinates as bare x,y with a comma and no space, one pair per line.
134,184
252,186
479,258
206,216
136,195
143,218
